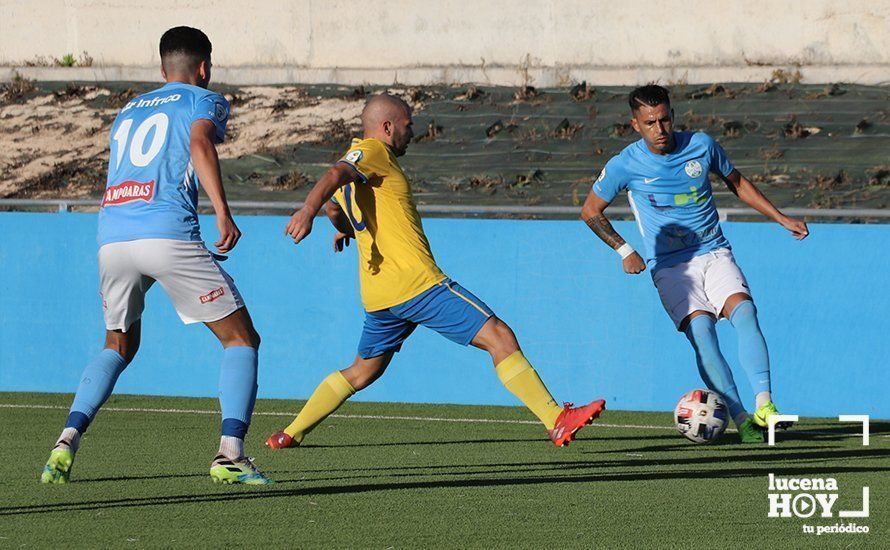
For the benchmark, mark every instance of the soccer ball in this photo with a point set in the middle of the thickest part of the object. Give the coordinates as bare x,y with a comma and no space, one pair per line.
701,416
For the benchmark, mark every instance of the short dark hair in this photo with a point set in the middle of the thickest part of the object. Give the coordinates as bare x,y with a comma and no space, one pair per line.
651,95
192,44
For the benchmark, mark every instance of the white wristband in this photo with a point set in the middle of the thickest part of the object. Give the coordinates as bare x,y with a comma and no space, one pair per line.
625,250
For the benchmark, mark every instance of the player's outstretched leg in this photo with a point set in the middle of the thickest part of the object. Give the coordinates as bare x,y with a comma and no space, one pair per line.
754,358
518,376
96,384
237,396
328,396
333,391
702,334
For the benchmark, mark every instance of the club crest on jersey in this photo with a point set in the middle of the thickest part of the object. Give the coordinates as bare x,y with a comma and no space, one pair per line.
220,113
353,156
128,191
693,169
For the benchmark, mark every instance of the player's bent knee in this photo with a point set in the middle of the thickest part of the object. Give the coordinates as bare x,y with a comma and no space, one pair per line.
126,344
734,301
684,324
127,352
359,383
239,338
251,338
369,378
505,338
363,372
359,379
497,338
255,339
236,329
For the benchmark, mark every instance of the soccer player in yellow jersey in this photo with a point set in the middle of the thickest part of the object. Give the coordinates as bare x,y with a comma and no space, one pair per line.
369,199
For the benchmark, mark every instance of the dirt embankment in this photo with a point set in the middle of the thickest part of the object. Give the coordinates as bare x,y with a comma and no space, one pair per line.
55,142
818,146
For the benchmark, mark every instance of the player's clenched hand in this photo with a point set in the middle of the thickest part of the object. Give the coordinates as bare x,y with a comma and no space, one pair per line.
299,225
633,264
341,240
228,233
798,228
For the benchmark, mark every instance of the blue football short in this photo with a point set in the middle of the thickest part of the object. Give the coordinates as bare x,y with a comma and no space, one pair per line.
448,308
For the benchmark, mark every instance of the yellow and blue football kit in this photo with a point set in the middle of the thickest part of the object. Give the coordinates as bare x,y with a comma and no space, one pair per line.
395,262
448,308
401,285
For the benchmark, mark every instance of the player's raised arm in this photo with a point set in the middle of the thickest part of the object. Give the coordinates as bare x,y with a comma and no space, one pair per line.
593,215
202,147
749,194
300,224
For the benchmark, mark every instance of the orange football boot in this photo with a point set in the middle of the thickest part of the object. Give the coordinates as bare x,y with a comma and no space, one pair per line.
572,419
280,440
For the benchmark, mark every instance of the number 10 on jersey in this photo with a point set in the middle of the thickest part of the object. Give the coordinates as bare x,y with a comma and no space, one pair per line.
139,155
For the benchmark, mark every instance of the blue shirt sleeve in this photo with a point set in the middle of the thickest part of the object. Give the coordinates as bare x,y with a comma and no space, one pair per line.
610,181
215,108
720,163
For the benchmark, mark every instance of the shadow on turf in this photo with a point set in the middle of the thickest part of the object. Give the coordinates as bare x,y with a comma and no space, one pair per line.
542,439
822,433
811,433
249,493
151,477
433,442
832,431
818,454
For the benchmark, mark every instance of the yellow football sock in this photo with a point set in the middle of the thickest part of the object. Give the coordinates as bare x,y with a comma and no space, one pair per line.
517,374
327,398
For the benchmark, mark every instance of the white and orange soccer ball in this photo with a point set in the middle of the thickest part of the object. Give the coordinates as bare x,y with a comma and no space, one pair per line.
701,416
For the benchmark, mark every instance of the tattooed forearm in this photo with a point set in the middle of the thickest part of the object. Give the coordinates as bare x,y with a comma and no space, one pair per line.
604,230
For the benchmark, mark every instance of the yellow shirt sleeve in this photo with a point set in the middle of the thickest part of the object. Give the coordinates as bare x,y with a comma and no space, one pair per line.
369,158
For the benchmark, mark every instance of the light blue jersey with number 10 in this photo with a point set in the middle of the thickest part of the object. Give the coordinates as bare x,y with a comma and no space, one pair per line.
152,189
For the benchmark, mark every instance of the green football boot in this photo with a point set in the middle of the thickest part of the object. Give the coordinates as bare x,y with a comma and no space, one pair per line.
762,414
749,432
242,471
58,467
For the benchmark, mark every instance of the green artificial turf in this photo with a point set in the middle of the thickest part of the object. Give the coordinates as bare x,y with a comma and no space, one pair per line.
141,480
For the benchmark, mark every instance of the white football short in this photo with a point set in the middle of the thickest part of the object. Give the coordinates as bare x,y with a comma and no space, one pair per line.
201,291
703,283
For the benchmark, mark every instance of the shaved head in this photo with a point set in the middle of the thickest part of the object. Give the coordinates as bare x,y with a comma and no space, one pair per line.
381,108
388,118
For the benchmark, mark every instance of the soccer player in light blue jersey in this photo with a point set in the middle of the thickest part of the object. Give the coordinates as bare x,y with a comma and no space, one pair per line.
665,175
163,143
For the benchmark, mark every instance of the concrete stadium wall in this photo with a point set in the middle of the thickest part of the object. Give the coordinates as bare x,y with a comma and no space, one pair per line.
589,329
546,42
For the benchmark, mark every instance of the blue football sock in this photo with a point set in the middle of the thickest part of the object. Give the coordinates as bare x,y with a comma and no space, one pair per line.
753,354
237,389
96,383
715,373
